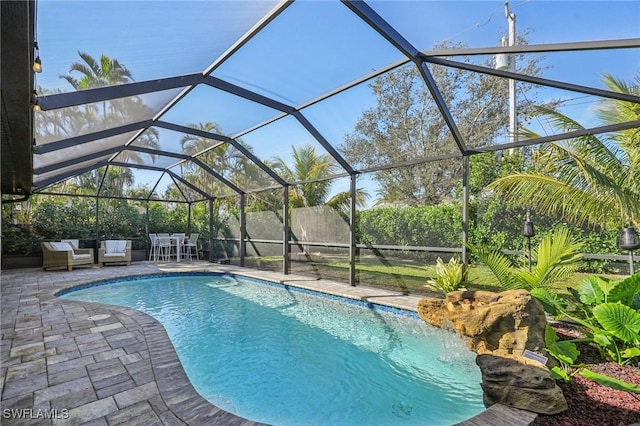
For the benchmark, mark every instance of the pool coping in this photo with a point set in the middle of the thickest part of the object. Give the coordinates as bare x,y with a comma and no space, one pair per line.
161,390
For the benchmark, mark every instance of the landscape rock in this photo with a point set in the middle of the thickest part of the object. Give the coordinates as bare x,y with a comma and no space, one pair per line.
521,383
501,328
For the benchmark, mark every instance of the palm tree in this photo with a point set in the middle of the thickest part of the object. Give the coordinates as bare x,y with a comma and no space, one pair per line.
308,165
117,180
555,259
590,179
107,72
59,123
224,159
98,73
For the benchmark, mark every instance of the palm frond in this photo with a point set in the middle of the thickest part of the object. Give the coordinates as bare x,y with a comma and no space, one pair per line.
342,200
499,264
559,120
590,179
557,257
556,197
91,63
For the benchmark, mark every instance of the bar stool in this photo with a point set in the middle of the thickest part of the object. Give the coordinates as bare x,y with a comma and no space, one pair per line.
153,250
190,247
164,247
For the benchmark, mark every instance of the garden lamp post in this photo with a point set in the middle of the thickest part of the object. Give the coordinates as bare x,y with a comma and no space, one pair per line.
528,232
628,240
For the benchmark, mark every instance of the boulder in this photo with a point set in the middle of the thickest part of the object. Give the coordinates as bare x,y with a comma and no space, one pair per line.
504,323
521,383
502,328
430,310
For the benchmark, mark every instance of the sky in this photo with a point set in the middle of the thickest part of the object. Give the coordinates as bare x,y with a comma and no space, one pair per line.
311,48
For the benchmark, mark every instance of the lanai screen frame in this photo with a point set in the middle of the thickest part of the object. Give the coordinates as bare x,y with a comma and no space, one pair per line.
421,59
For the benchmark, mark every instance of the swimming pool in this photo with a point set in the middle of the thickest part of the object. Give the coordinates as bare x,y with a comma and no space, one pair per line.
287,356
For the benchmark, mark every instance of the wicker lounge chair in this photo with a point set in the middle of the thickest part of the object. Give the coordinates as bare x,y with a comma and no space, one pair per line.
114,251
62,254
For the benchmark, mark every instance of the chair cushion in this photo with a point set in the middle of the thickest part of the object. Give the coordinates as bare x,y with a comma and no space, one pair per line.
115,255
61,246
115,246
80,256
74,243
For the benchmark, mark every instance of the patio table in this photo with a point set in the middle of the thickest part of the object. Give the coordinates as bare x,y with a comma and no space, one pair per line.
178,238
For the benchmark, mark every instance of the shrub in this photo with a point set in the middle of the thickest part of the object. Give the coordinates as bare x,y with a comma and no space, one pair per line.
449,276
607,310
557,257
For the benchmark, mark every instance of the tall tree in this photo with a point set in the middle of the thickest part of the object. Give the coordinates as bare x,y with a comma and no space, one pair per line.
58,123
92,73
309,165
223,158
97,73
406,125
591,179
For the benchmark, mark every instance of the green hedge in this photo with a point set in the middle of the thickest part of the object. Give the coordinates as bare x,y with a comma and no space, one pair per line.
492,224
438,226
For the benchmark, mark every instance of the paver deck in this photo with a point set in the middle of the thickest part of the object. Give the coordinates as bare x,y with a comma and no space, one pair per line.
68,363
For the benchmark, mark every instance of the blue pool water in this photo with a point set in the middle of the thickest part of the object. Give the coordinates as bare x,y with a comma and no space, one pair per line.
283,356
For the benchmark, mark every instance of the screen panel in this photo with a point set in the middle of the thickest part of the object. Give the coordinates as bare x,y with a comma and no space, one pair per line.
299,53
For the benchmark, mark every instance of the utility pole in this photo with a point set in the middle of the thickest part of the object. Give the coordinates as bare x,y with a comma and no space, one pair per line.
511,19
507,62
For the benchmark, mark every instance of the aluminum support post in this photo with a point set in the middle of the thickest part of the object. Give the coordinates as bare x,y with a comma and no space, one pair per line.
211,248
286,233
352,231
465,209
243,229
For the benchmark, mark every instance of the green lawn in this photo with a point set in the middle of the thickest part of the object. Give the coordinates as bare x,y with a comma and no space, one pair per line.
400,275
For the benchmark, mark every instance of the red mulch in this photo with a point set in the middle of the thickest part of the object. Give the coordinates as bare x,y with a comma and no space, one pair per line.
591,403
